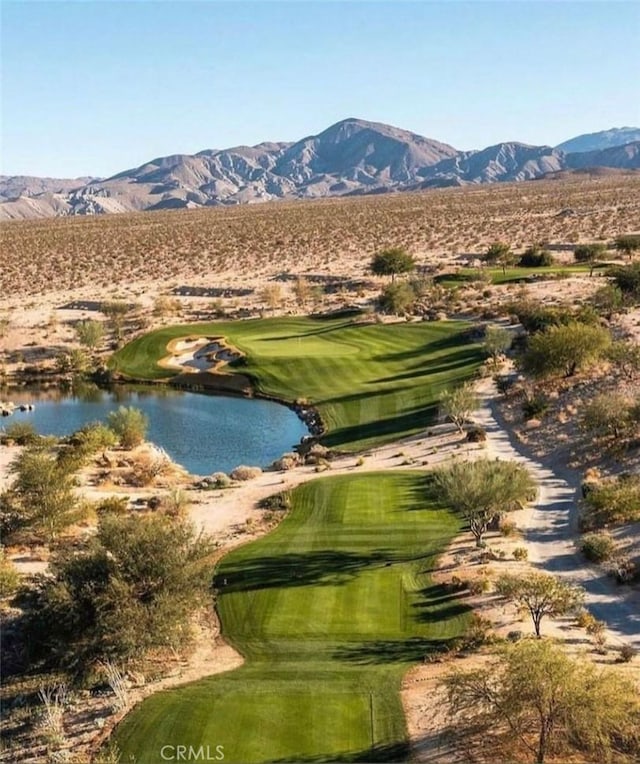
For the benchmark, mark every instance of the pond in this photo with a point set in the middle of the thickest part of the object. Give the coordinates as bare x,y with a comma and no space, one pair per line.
203,433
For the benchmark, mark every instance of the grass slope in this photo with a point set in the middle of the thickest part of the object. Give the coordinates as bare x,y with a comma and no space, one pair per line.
330,610
371,382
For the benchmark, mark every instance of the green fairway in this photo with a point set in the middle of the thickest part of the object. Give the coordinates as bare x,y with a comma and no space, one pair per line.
371,383
329,610
514,275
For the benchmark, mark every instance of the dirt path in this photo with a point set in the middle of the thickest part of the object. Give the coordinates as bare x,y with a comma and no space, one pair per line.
550,527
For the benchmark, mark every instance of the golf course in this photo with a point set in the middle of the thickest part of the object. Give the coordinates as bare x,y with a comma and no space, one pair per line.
329,611
371,383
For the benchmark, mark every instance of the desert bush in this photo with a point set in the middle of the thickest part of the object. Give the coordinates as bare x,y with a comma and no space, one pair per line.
613,501
397,298
627,653
597,547
132,589
93,437
9,577
627,244
175,503
147,467
535,406
607,415
625,357
520,553
536,257
477,633
130,425
497,340
479,586
286,462
21,433
116,505
276,502
221,479
627,279
243,472
507,527
565,349
476,435
89,333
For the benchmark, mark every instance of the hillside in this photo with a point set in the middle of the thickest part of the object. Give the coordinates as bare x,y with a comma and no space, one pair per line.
352,157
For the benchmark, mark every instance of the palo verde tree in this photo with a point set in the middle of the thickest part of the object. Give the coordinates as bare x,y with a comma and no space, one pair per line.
627,279
497,340
483,490
533,696
392,262
540,595
628,244
565,349
590,254
458,403
499,253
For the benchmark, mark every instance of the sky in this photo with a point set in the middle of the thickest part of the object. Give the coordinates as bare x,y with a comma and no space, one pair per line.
93,88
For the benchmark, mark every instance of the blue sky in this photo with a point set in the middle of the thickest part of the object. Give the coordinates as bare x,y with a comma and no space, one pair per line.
97,87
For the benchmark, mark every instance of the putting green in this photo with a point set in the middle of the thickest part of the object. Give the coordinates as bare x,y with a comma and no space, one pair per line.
329,611
371,383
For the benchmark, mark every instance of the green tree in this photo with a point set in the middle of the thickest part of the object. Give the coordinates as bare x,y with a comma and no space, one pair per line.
565,349
499,253
483,490
540,594
497,340
627,279
391,262
90,333
536,257
625,356
533,695
458,403
607,415
133,589
42,495
628,244
397,298
590,253
129,424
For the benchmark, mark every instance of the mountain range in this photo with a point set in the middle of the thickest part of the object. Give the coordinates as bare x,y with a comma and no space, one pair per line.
352,157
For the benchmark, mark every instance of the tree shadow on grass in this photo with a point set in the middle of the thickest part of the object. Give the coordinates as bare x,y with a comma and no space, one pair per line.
390,752
392,651
400,424
463,358
325,568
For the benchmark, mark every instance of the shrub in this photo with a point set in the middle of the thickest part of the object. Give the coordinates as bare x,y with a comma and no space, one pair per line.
536,257
476,435
286,462
277,501
627,653
477,633
21,433
116,505
130,425
508,527
520,554
479,586
243,472
397,298
535,406
9,578
616,501
597,547
565,349
221,480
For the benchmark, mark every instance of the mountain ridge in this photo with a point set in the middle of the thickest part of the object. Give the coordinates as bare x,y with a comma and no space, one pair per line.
351,157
